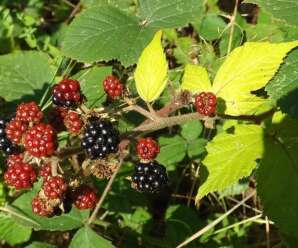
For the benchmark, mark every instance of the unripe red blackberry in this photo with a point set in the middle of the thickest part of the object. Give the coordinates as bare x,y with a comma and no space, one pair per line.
46,171
20,175
205,103
55,187
41,207
149,177
29,112
7,146
15,158
112,86
100,138
84,197
40,140
15,130
67,93
148,149
56,118
73,122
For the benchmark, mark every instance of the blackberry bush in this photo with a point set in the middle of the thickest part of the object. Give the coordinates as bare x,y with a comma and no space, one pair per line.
100,138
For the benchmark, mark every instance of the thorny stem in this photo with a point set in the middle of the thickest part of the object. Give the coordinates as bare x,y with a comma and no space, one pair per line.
105,193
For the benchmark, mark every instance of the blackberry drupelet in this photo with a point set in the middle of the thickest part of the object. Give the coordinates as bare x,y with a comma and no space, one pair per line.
5,144
149,177
100,138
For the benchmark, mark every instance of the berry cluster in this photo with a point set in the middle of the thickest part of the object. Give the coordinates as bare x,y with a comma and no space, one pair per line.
40,140
205,103
6,145
67,93
147,149
20,175
112,87
100,138
149,177
56,118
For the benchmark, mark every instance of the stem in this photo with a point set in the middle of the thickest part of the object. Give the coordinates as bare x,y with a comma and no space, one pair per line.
9,211
215,222
193,185
140,110
237,224
232,23
105,193
168,122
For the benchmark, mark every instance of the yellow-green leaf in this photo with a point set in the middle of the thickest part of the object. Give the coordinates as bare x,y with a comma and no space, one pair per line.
246,69
231,156
195,79
151,71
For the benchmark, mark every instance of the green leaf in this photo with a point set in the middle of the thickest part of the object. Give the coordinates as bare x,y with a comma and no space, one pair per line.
104,32
277,174
12,232
184,50
72,220
195,79
196,148
160,14
151,71
24,75
248,68
91,85
285,10
136,220
172,150
40,245
181,222
89,239
191,130
283,88
212,27
231,156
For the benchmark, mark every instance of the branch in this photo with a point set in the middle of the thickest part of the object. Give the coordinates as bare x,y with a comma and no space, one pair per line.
170,121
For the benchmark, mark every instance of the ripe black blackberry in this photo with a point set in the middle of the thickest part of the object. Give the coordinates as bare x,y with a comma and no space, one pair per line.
100,138
149,177
5,144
